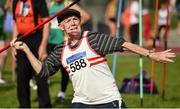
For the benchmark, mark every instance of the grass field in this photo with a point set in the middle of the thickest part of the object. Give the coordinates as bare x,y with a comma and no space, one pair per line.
127,66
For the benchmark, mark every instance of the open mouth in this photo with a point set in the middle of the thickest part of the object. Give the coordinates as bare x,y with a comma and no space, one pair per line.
72,29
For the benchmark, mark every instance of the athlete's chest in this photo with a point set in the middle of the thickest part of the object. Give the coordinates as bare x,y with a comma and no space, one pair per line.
76,59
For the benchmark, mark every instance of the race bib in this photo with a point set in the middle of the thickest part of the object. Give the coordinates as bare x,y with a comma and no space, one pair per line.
77,62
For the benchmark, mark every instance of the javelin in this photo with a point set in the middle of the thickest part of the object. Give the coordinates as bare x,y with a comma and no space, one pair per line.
40,25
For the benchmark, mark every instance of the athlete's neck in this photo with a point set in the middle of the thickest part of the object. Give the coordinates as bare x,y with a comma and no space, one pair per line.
74,39
74,42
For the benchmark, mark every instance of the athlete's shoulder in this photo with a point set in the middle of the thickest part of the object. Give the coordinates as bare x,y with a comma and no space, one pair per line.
59,47
92,33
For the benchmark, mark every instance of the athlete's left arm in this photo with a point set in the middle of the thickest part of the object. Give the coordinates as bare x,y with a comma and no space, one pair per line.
163,56
104,44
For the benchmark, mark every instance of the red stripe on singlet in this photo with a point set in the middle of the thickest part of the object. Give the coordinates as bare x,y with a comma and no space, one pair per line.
98,62
91,59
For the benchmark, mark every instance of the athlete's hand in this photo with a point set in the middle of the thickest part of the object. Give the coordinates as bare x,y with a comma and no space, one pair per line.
163,57
19,45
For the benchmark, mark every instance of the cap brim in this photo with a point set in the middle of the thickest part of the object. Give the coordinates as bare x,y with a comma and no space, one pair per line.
68,13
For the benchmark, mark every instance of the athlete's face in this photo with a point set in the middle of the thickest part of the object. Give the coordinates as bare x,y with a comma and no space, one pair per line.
71,26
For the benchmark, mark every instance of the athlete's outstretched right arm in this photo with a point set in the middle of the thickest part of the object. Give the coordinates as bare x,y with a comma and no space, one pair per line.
46,68
36,64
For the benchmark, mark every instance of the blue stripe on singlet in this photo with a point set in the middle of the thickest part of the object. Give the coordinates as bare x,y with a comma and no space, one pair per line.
75,57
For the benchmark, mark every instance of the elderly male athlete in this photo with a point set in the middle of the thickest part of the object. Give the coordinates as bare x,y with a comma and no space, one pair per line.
83,56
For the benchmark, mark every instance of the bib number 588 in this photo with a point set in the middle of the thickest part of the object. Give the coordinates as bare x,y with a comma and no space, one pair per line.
77,65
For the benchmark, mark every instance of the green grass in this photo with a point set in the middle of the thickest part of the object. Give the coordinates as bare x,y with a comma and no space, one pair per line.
127,66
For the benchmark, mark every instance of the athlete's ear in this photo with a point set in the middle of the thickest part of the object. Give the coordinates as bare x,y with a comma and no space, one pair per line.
61,26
